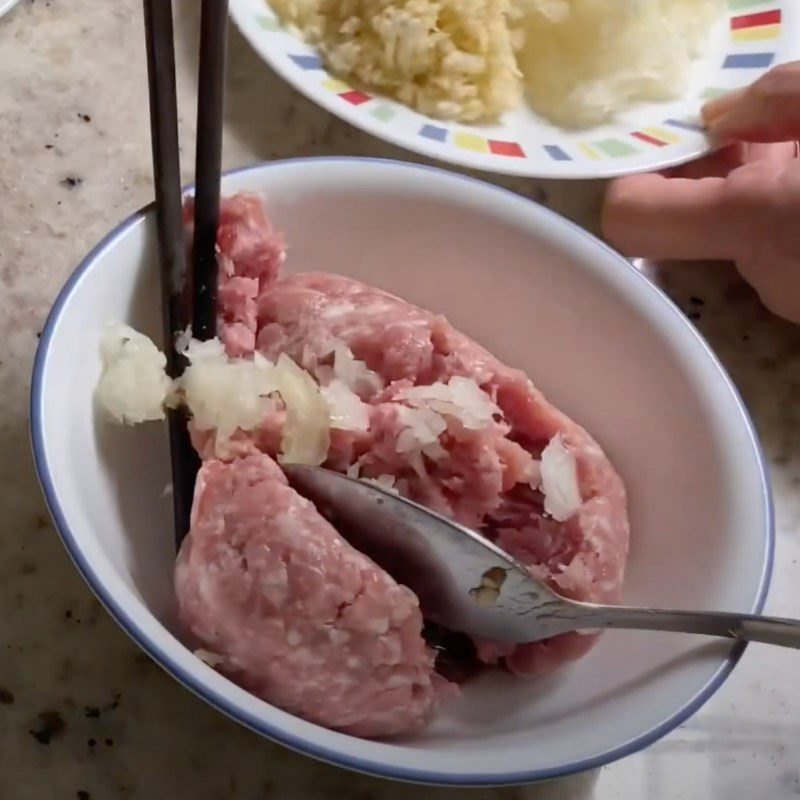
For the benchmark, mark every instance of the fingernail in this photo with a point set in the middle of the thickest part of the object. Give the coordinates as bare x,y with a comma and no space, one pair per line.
719,114
729,126
719,129
719,105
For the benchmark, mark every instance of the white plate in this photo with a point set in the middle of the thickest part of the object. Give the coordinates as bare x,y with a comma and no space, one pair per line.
6,6
753,36
599,339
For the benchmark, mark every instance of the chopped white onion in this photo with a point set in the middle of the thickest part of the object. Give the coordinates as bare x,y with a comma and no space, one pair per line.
386,482
562,494
306,432
207,657
224,393
133,387
460,398
349,370
423,426
183,339
348,412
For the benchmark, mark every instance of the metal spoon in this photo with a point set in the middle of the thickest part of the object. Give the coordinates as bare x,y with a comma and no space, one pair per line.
467,584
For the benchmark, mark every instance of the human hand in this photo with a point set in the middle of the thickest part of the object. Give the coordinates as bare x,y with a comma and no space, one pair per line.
741,203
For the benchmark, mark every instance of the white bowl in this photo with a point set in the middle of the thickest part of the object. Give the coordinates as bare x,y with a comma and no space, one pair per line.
601,341
751,37
6,6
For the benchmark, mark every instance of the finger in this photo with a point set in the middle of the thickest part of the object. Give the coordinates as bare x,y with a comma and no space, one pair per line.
720,163
714,165
766,111
779,152
651,216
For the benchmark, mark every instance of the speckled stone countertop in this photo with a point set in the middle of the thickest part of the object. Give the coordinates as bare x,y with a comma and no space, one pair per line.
83,713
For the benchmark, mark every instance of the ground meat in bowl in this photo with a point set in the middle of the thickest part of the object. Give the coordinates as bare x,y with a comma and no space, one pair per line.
446,424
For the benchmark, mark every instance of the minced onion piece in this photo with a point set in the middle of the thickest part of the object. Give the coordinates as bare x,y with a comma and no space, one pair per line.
423,426
349,370
347,411
559,483
133,387
224,393
424,417
183,339
385,482
213,660
460,397
306,432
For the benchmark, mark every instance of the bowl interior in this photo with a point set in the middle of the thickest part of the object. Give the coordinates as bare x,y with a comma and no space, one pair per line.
601,342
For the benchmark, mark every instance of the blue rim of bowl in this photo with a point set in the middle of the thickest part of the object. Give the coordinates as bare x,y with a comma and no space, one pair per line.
301,744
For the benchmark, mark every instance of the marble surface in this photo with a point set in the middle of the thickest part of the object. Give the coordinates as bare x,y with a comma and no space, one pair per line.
84,714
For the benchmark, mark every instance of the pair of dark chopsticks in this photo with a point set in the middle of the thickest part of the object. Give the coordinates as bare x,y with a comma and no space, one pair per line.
180,307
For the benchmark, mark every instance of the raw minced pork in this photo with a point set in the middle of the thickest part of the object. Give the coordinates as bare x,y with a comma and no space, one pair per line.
297,615
447,424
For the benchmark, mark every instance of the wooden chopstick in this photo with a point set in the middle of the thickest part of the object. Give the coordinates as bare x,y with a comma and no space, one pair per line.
208,160
171,246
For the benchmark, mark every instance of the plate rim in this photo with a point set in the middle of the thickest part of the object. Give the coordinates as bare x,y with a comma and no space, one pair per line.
299,742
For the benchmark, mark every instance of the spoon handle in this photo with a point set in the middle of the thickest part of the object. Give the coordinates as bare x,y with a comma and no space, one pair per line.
747,627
